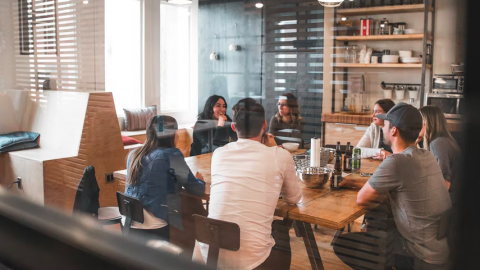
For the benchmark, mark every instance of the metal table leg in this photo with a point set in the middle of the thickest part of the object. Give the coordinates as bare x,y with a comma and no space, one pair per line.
306,232
337,234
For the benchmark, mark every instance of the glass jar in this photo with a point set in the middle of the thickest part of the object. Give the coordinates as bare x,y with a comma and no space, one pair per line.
397,2
348,4
387,2
367,3
346,54
353,54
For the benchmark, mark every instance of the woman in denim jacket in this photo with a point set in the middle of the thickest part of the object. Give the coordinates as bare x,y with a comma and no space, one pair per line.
156,173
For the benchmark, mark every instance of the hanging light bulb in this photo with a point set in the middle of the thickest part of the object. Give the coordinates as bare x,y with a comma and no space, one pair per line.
330,3
259,5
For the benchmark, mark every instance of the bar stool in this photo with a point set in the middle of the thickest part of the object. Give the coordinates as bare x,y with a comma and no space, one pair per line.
86,200
217,234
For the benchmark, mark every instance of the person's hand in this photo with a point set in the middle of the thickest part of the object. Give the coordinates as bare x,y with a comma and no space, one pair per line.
383,155
199,176
269,140
221,120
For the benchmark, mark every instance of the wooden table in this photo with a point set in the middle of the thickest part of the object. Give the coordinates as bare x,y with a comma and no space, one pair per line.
324,207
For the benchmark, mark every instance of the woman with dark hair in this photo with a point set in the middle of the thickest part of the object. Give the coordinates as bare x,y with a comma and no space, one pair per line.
156,173
287,125
438,140
212,127
372,143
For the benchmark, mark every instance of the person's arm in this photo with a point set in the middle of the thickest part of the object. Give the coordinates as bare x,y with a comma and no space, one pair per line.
272,129
365,144
291,188
385,179
441,154
183,174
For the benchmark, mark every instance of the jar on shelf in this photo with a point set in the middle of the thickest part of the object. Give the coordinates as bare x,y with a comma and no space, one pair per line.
388,2
353,54
408,2
348,4
397,2
367,3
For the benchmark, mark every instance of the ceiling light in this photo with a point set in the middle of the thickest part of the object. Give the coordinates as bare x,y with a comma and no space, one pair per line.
85,2
330,3
344,18
259,5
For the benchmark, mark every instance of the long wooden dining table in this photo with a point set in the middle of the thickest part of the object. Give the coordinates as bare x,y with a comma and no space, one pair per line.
334,209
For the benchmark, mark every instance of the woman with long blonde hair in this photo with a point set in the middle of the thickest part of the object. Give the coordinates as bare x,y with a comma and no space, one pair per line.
156,173
438,140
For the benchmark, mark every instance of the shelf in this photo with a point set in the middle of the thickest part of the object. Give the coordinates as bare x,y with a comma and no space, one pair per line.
383,10
348,65
381,37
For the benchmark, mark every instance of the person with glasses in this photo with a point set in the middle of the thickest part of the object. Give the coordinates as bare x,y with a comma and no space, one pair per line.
212,127
287,125
372,143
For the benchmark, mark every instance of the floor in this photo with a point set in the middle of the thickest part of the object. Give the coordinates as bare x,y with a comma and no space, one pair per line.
323,236
300,259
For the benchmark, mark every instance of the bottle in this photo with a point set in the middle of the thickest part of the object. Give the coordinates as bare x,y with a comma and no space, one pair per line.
347,159
353,54
356,159
337,171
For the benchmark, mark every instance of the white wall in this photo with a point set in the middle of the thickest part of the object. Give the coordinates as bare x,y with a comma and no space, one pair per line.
445,52
7,46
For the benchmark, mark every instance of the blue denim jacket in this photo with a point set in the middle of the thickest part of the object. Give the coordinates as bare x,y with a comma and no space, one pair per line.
164,172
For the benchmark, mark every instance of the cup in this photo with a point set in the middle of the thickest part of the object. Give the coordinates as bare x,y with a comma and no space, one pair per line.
374,59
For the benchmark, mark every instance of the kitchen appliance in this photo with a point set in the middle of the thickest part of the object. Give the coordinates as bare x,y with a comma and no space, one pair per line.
448,83
457,69
452,105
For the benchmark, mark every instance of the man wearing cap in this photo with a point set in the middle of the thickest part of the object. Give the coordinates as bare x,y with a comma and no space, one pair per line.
417,193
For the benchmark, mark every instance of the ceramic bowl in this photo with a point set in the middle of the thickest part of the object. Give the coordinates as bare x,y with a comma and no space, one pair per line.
291,146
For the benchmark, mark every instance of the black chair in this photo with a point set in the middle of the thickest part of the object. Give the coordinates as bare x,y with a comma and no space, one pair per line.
131,208
86,200
217,234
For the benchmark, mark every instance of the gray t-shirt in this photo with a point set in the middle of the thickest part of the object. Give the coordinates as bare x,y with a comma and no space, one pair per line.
448,157
418,197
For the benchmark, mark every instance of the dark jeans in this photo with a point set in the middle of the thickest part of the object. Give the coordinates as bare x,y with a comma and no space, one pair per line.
281,254
163,233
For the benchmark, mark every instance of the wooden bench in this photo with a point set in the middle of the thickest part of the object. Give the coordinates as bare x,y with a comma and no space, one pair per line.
76,129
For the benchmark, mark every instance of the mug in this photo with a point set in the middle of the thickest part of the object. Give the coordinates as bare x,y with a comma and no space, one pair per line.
374,59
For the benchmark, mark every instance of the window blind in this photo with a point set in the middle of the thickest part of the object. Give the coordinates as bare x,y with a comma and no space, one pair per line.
60,44
293,53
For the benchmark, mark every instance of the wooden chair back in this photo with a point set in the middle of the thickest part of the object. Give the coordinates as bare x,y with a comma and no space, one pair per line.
131,208
217,234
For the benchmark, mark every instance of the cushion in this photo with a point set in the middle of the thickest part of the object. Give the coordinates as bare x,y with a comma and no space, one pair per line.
136,119
18,141
129,140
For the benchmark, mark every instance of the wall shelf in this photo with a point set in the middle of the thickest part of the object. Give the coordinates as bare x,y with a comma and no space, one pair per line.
381,37
383,10
386,65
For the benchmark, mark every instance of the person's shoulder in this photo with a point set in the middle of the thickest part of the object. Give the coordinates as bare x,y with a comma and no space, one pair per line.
441,142
162,153
282,153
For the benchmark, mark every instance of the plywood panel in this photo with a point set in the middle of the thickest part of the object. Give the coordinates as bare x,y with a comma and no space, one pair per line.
343,133
101,146
31,172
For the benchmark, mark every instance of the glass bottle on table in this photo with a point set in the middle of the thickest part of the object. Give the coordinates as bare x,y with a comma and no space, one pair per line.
337,169
347,159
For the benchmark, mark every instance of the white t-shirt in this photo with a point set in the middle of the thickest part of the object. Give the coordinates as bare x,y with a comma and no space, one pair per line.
150,222
247,179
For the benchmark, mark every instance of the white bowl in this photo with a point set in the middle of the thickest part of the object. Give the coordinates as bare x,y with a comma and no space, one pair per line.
291,146
404,54
390,59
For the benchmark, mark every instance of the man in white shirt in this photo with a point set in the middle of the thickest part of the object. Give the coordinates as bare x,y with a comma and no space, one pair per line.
247,179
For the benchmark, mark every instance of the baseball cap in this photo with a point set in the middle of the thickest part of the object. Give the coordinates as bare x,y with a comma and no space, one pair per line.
405,117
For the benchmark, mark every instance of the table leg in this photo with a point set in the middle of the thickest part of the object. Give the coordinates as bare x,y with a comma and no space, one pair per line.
295,228
337,234
310,245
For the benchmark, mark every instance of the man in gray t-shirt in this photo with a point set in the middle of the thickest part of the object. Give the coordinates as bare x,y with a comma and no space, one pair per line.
414,182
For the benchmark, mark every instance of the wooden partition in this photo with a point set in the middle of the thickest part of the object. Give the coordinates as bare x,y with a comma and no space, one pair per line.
51,173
